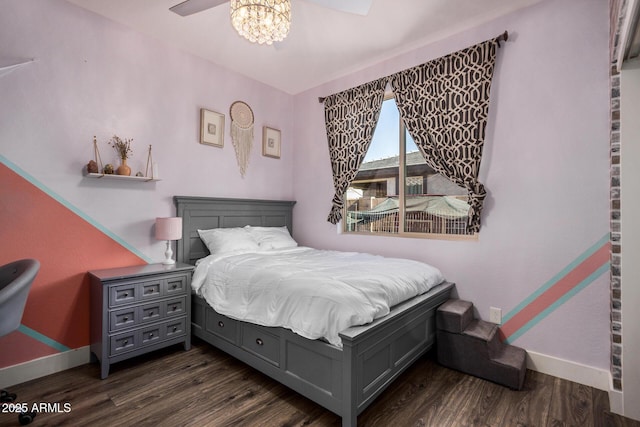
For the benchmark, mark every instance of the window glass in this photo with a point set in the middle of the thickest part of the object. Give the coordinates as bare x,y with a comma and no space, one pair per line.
428,203
376,185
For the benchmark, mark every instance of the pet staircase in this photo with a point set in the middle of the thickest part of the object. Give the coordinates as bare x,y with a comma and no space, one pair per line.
473,346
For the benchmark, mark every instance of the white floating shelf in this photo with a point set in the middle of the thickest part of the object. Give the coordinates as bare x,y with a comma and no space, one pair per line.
121,177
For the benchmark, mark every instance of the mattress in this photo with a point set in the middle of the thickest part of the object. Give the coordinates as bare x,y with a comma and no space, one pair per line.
315,293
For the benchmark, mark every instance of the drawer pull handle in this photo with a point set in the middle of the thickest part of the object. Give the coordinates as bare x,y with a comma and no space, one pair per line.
126,318
175,307
126,294
175,328
150,334
259,341
221,323
151,313
175,286
125,342
149,291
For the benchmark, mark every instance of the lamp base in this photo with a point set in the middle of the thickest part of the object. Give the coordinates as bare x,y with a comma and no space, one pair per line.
168,255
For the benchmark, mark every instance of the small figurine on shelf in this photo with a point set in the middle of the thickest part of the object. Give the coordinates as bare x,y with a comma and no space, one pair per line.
92,167
123,148
108,169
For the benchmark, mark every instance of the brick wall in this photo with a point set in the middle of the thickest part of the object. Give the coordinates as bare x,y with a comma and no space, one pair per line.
616,305
617,8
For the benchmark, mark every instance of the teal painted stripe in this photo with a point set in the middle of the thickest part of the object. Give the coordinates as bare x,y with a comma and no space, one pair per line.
72,208
43,338
566,297
604,240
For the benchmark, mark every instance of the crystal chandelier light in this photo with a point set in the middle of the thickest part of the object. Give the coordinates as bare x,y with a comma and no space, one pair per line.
261,21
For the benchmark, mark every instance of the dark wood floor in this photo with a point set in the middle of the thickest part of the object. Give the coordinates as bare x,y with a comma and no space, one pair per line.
205,387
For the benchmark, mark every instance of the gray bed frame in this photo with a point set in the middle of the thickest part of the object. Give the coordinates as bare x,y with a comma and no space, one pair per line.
345,381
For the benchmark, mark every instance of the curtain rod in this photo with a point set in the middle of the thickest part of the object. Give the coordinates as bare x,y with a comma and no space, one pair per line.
501,38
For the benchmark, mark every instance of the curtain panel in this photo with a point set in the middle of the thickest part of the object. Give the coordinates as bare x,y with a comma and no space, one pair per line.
444,104
350,118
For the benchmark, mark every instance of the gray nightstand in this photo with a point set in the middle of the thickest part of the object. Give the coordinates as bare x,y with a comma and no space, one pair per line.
135,310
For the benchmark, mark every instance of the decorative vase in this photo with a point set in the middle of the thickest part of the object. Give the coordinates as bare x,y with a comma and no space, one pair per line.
124,169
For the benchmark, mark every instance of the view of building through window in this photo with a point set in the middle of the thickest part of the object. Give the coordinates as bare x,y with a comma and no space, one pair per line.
428,203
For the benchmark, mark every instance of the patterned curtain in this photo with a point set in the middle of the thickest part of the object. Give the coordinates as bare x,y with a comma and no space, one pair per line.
444,104
350,118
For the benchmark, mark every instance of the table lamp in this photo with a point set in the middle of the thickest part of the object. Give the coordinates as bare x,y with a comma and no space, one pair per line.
169,229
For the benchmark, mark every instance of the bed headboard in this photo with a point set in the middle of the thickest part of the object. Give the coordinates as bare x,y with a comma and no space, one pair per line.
207,212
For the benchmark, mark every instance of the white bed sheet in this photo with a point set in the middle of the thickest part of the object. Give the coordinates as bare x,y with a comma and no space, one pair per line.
315,293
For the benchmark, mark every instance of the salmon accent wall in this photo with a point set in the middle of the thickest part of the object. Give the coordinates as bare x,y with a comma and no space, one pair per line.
34,223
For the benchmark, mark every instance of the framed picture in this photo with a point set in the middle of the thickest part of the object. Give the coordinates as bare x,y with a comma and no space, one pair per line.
211,128
270,142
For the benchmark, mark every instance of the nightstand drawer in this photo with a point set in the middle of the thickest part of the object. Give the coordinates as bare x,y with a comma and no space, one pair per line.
152,334
150,290
222,326
261,343
175,307
175,328
123,318
124,342
122,294
151,312
175,286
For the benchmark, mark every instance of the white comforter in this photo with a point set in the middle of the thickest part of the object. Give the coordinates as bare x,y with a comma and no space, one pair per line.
315,293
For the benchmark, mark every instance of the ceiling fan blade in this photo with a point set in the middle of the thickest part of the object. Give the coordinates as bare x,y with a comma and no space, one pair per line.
358,7
189,7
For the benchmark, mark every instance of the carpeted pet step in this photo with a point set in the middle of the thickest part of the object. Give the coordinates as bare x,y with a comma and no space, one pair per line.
486,333
454,315
473,346
514,362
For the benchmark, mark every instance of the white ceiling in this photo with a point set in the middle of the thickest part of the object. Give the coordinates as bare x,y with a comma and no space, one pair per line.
323,44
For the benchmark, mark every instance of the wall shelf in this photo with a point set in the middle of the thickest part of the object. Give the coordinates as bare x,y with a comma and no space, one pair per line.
121,177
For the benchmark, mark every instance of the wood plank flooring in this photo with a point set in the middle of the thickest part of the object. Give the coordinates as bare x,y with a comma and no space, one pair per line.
205,387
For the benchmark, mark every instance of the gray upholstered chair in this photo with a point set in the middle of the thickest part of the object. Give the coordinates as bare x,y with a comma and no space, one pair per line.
15,281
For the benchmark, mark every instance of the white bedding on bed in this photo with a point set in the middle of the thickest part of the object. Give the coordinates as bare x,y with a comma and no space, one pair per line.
315,293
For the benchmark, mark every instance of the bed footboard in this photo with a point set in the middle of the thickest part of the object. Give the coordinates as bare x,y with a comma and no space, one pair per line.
377,353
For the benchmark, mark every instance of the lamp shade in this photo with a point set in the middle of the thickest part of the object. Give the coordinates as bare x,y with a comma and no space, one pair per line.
169,228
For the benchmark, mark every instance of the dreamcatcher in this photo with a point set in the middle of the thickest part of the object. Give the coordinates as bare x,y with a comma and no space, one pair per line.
241,133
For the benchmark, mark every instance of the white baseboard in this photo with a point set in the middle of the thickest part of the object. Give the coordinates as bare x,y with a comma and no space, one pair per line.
550,365
616,401
43,366
568,370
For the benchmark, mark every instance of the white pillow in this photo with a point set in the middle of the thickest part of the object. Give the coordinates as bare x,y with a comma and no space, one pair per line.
272,237
227,241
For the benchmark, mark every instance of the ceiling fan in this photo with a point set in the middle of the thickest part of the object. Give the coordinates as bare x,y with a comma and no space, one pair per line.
266,21
358,7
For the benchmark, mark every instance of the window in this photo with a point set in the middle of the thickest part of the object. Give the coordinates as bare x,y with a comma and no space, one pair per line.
376,202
